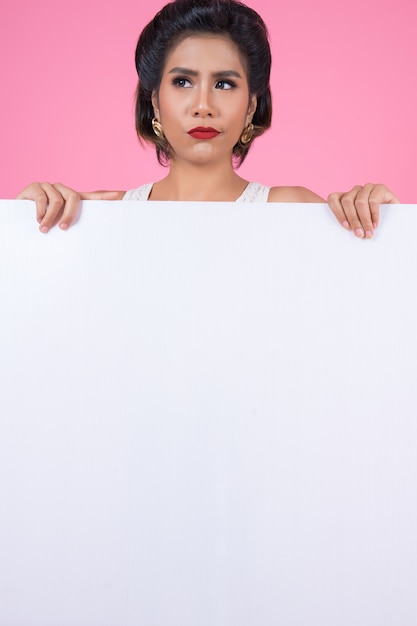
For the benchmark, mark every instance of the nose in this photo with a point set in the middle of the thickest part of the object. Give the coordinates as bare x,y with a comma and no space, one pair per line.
203,105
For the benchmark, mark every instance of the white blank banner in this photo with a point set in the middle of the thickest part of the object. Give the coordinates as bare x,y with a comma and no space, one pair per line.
208,417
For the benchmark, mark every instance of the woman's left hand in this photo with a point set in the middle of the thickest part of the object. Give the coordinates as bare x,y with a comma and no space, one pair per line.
358,209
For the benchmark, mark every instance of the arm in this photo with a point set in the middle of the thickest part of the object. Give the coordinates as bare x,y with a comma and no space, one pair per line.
356,210
58,204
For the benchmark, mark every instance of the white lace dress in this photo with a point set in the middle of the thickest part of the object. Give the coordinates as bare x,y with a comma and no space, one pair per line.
253,192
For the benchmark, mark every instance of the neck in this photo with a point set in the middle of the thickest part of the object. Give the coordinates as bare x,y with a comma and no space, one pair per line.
191,182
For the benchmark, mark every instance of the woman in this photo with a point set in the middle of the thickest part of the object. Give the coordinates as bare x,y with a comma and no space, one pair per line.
203,97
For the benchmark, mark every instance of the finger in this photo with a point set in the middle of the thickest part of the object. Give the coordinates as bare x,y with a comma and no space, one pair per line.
368,214
343,207
102,195
56,203
380,194
348,203
333,201
72,205
384,195
35,192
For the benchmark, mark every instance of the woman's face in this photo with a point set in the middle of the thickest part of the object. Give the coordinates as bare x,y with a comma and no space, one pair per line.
204,86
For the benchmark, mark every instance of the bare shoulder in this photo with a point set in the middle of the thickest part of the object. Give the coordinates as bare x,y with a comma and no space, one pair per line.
293,194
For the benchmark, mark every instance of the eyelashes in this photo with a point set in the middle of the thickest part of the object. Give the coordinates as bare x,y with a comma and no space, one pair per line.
226,84
184,83
180,81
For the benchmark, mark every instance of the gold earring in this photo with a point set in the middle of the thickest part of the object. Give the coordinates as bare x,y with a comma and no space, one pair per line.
247,136
157,128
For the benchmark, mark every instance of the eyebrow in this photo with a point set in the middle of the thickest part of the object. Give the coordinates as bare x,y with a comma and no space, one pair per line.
188,72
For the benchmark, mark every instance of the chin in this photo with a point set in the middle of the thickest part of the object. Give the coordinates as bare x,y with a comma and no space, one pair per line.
211,153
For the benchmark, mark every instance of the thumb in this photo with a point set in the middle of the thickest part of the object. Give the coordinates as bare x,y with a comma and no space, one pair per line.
383,195
102,195
391,199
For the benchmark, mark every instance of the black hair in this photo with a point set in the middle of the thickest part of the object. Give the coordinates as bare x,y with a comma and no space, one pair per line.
182,18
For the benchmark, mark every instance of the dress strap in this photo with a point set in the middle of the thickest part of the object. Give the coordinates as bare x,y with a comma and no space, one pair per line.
141,193
254,192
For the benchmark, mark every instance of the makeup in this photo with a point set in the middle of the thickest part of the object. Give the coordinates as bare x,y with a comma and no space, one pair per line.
203,132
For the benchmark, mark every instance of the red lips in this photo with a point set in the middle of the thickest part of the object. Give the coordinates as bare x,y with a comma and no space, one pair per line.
203,132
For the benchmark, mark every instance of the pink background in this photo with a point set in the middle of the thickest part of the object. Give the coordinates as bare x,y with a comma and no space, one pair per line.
344,85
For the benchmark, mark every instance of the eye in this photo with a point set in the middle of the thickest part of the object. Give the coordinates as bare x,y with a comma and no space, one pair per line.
225,84
180,81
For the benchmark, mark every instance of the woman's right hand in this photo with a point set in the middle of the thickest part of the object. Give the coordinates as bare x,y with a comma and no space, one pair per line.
58,204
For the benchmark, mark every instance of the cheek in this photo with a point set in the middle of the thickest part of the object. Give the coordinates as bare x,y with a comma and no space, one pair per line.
240,106
171,107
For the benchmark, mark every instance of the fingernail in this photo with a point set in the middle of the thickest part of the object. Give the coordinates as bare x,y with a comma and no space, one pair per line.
368,234
359,232
375,224
44,229
63,226
345,224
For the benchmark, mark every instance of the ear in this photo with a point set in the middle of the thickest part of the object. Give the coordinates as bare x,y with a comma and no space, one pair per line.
251,109
154,100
